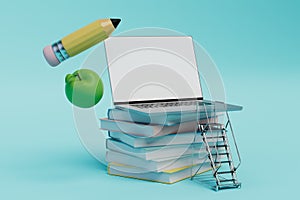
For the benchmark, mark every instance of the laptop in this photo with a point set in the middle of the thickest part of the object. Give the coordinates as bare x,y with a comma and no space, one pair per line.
154,74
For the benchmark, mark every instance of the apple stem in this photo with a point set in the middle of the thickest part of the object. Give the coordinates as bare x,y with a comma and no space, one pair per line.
78,76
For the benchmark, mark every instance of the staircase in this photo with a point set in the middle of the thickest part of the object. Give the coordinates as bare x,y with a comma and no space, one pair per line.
219,155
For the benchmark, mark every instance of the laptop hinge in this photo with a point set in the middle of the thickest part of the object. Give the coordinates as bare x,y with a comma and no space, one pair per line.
158,100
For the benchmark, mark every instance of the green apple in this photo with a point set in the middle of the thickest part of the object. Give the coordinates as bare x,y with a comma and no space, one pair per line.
84,88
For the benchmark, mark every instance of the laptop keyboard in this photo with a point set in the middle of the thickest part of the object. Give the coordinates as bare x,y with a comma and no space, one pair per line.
168,104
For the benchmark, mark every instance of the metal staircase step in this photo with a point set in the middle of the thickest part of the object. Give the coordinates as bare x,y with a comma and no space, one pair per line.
229,186
223,161
207,128
219,154
225,172
212,126
214,137
219,146
227,180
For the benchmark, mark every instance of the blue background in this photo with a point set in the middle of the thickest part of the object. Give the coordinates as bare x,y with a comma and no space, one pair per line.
255,45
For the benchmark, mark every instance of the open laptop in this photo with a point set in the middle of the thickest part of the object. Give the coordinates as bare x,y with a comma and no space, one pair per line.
154,74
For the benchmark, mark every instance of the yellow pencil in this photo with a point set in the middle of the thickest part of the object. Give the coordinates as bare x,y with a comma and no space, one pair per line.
79,40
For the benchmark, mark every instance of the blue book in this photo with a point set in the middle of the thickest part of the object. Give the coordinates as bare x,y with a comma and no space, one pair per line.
172,139
157,165
166,176
147,130
162,152
166,119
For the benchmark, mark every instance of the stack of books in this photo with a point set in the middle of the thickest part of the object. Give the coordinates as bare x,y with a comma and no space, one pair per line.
164,148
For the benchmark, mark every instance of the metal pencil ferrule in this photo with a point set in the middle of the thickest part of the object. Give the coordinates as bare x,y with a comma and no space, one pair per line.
59,51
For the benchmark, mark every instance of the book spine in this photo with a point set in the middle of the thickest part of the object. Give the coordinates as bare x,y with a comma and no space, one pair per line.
106,143
108,113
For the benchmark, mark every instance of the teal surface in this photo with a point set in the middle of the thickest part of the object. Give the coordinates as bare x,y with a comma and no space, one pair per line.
255,45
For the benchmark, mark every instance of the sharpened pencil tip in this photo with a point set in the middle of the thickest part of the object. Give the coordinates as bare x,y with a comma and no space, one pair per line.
115,22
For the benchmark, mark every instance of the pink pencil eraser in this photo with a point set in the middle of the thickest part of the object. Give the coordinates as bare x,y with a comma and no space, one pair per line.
50,56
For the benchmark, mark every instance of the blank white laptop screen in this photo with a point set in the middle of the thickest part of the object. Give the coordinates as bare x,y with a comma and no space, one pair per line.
152,68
